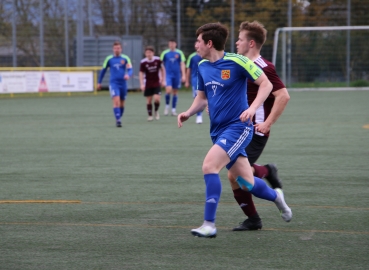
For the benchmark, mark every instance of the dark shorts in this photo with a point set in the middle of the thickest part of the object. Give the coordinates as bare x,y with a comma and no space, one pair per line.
256,147
152,91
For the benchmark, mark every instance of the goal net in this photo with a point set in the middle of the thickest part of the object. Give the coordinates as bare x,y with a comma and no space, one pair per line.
323,58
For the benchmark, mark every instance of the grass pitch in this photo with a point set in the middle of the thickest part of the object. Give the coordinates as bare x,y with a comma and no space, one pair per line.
78,193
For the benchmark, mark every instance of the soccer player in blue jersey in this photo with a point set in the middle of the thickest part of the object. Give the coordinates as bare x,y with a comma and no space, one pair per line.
221,85
174,63
120,71
191,77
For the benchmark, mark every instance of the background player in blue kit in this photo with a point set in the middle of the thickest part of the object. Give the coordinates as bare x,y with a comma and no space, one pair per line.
120,71
221,85
174,63
191,77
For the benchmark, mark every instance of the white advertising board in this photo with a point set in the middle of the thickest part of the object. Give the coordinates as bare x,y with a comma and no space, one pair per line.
76,82
45,81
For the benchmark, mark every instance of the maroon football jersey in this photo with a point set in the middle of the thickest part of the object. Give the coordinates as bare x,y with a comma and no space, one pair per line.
252,89
151,70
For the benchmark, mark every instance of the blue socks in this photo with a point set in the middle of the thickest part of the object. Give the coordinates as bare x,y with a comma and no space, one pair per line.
121,111
260,188
167,99
213,191
174,101
199,114
117,114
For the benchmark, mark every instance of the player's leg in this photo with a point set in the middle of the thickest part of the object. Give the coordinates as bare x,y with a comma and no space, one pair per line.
268,171
123,95
148,94
149,108
199,114
115,96
241,170
244,198
176,84
168,91
214,161
157,94
174,101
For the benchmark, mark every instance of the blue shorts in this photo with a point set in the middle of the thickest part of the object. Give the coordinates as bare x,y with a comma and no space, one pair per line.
118,90
234,140
173,81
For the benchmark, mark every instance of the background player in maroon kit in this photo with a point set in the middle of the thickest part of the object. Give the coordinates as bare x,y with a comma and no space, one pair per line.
151,81
252,36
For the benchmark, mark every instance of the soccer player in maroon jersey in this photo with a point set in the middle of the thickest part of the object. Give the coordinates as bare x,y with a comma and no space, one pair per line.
151,82
252,36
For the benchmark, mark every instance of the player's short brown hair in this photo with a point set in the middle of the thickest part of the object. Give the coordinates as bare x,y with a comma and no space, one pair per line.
149,48
255,31
216,32
117,43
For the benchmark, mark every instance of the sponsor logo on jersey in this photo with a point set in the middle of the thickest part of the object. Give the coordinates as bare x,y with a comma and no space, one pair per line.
226,74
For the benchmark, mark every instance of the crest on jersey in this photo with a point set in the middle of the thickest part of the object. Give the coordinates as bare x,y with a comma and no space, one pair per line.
176,56
226,74
122,62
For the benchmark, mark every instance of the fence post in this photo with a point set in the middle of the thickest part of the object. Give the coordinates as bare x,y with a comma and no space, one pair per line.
289,45
41,6
348,44
14,35
66,37
283,55
79,34
232,26
178,23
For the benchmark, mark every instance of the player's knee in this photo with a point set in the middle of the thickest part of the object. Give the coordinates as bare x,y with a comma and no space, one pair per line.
231,177
208,167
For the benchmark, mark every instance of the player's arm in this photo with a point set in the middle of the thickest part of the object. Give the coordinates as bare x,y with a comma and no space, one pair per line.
188,70
183,66
265,87
183,71
188,77
142,77
103,71
198,105
280,102
162,75
129,69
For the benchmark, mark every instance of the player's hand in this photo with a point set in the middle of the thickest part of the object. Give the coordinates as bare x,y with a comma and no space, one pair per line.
162,82
126,77
247,115
182,117
207,109
187,84
183,79
142,87
98,86
262,127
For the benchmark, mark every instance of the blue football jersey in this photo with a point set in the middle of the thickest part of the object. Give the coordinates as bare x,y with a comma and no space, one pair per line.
172,62
193,63
119,66
224,84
